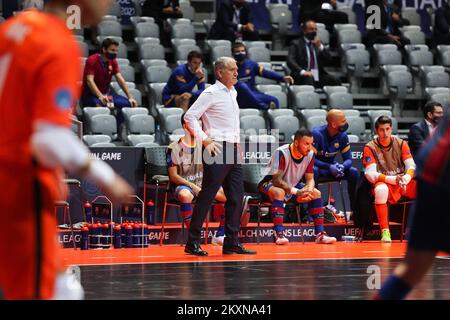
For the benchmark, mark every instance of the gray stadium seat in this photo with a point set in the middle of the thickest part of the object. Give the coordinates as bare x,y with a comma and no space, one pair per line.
436,79
357,62
147,30
419,58
399,84
416,37
375,114
350,13
357,127
353,138
307,100
207,23
249,112
280,17
115,9
332,89
145,63
315,121
109,28
220,51
432,91
115,86
187,10
155,96
84,48
285,126
442,98
127,73
104,124
136,139
324,36
158,74
135,93
138,19
141,124
340,100
281,96
389,57
215,43
275,113
269,87
151,51
150,40
182,42
90,139
412,15
182,51
306,113
257,43
183,31
259,54
252,125
123,62
349,36
262,138
103,145
351,113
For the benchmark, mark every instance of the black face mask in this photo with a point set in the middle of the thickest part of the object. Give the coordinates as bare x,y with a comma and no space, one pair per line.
311,35
239,57
435,120
110,56
343,128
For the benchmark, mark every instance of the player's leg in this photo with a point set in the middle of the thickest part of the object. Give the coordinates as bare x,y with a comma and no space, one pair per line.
381,192
276,196
220,234
185,195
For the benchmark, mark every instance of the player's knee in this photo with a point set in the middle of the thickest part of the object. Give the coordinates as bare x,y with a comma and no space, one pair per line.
277,193
185,196
353,173
381,193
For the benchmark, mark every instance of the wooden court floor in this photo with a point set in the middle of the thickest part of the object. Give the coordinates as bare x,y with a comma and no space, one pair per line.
293,272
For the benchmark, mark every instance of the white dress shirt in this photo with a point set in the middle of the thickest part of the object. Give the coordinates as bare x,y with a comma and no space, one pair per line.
219,111
431,128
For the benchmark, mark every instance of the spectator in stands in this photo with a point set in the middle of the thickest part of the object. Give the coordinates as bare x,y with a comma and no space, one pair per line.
389,166
322,11
420,131
248,96
306,58
185,167
161,10
289,164
178,91
390,21
234,22
42,68
98,73
442,24
329,140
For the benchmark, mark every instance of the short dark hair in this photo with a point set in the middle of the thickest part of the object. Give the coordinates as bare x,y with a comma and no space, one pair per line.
304,24
109,42
429,107
383,120
302,132
238,45
194,54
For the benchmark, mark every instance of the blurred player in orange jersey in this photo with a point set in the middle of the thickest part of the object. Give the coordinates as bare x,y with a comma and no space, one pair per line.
389,166
39,70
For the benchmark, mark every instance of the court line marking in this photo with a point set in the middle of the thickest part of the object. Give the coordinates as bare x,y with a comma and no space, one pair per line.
151,256
222,261
330,252
376,251
288,253
103,258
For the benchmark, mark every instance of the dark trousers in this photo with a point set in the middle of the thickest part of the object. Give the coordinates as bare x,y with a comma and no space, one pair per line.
351,175
324,80
215,175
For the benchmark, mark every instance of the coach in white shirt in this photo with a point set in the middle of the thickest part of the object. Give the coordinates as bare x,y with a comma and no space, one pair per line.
218,109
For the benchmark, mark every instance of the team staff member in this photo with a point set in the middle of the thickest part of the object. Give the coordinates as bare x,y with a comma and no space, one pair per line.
219,111
38,88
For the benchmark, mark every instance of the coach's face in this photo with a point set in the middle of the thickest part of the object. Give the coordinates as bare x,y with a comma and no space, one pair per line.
228,75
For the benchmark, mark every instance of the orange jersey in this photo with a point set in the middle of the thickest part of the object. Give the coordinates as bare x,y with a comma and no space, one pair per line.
39,70
369,158
38,79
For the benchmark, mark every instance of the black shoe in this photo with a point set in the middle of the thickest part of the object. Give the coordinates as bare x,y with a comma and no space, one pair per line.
194,249
239,249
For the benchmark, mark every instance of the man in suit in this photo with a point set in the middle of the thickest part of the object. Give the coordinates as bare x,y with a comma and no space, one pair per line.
234,22
162,9
328,14
419,132
442,24
390,22
306,58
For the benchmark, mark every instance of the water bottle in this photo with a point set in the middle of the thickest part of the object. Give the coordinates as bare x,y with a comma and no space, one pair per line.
137,233
128,236
117,237
84,244
150,212
145,237
88,212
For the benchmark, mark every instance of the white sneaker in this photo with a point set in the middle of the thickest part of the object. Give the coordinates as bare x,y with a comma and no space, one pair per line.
324,238
217,241
68,287
280,239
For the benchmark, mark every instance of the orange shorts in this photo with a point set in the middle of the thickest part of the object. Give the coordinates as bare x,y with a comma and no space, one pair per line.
395,192
28,242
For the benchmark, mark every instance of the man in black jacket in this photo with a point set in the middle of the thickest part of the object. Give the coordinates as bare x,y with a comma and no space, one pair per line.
312,9
161,9
420,131
390,22
442,24
234,22
306,57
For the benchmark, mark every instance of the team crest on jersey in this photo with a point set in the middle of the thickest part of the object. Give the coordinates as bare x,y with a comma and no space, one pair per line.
368,159
63,99
247,71
336,145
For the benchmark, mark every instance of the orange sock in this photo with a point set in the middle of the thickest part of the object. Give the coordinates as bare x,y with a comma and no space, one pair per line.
382,214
